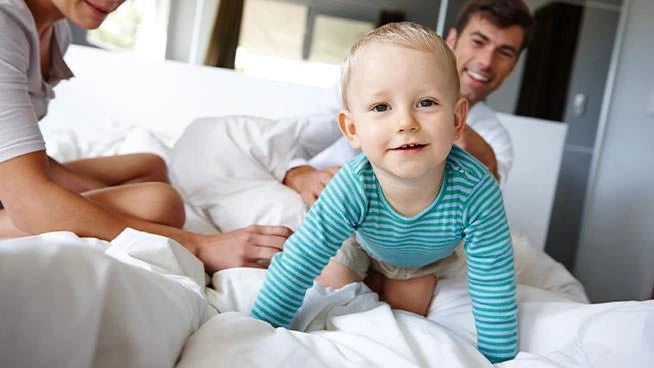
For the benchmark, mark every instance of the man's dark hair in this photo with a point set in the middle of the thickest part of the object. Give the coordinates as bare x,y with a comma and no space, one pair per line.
502,13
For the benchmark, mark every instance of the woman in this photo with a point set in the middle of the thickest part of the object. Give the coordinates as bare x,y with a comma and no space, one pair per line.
95,197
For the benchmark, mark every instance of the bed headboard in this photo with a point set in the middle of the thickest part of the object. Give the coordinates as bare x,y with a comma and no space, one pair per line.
530,188
115,87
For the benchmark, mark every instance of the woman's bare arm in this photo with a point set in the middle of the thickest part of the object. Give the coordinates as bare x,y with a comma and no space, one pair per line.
36,204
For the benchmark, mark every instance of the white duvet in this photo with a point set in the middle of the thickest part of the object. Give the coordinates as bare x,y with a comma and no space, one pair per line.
71,302
146,302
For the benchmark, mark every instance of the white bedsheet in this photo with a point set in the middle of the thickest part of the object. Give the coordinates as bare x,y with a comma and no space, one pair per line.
69,302
554,332
143,302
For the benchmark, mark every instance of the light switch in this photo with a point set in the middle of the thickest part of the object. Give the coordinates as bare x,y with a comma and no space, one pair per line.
579,104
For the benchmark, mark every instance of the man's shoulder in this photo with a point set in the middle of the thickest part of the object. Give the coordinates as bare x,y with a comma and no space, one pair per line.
481,113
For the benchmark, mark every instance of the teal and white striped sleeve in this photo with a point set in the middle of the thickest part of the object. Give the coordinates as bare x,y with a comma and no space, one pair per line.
491,272
330,221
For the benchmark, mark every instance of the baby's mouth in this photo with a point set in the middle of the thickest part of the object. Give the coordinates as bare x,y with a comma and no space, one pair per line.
409,147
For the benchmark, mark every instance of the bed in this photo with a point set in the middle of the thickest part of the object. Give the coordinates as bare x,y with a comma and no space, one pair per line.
142,300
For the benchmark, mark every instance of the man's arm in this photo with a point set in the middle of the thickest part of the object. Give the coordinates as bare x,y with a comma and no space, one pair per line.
320,132
489,133
477,146
320,129
36,204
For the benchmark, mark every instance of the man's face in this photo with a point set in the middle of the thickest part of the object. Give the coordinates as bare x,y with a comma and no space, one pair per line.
485,56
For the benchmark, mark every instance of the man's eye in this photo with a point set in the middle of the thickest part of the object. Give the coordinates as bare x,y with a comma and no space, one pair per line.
380,108
507,54
426,103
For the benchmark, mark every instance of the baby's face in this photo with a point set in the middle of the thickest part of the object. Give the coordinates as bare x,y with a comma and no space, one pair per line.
403,110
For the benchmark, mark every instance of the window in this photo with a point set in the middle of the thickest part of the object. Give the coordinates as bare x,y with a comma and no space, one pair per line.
276,44
138,25
334,36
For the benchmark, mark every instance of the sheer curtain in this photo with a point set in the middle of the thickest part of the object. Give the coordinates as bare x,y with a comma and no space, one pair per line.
221,51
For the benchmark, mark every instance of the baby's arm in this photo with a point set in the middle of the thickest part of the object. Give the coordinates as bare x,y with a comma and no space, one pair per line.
328,223
491,274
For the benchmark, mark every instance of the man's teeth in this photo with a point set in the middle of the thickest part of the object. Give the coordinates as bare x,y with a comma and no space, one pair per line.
478,76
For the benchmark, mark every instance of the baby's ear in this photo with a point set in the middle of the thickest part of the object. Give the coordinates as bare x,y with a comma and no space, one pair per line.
349,130
460,116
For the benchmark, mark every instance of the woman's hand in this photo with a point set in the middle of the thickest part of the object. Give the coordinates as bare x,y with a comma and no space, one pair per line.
253,246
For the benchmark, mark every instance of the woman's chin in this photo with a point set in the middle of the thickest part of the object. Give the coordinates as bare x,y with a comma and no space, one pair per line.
88,24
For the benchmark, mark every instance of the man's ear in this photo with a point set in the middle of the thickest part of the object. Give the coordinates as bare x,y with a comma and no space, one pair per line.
347,127
451,38
460,116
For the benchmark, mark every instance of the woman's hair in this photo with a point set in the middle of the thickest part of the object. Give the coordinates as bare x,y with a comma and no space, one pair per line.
405,34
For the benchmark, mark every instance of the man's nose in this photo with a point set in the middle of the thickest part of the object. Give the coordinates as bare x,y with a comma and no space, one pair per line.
486,57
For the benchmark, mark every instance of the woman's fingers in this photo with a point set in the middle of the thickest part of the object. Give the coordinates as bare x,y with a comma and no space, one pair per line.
262,255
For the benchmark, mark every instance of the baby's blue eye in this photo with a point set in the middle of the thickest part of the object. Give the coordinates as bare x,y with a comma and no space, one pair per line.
380,108
426,103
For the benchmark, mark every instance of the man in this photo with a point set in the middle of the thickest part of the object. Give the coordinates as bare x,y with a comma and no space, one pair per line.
487,40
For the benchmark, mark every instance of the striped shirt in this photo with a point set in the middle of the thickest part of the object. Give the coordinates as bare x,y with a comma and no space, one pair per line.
468,207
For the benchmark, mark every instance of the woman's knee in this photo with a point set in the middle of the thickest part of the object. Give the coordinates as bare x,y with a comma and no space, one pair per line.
153,201
167,206
154,168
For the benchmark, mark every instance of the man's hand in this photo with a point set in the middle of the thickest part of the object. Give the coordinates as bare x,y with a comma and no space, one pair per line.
475,145
309,182
253,246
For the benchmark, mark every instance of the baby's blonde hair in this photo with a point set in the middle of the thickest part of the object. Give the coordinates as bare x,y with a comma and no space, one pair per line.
406,34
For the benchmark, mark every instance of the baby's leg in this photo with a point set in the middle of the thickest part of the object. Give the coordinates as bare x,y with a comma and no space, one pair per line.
350,264
412,295
336,275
